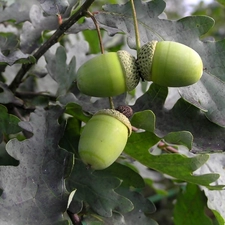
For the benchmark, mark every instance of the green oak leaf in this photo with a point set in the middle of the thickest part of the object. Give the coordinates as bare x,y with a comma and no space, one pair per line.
175,165
124,173
143,208
99,192
8,125
184,207
8,122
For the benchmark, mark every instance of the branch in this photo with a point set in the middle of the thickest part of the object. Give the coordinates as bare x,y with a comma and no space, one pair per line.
50,42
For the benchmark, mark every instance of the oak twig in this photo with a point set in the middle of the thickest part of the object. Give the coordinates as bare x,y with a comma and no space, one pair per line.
137,36
97,29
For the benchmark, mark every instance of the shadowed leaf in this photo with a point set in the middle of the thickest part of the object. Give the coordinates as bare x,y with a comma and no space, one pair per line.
101,196
34,190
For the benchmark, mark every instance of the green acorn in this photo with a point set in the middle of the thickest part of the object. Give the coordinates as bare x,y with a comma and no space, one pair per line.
108,74
169,63
103,138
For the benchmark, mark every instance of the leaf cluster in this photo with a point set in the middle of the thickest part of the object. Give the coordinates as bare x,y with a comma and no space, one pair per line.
178,137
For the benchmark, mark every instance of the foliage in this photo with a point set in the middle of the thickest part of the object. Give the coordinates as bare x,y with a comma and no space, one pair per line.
177,145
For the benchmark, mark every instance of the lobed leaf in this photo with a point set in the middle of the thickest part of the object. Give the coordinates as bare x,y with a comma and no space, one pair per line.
143,208
216,199
54,7
70,139
124,173
99,192
182,116
191,201
34,191
8,125
207,96
8,122
58,69
32,29
184,138
18,11
175,165
15,57
76,111
144,120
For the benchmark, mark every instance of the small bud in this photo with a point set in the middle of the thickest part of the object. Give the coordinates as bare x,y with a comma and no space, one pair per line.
125,110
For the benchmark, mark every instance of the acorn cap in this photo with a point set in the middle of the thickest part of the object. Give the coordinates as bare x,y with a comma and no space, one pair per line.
119,116
128,63
145,58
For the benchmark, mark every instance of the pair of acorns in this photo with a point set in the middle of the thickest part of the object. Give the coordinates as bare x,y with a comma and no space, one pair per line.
165,63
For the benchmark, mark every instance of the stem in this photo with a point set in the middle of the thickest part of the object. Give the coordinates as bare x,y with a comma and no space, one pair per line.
137,36
111,103
166,147
50,42
98,30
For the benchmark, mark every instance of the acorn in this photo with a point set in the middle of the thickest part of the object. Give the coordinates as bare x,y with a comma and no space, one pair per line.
108,74
169,64
103,138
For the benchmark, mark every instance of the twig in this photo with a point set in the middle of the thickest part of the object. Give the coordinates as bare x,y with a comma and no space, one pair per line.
137,36
162,145
50,42
97,29
111,103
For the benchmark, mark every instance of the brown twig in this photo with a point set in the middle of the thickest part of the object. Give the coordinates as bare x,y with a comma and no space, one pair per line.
50,42
162,145
88,13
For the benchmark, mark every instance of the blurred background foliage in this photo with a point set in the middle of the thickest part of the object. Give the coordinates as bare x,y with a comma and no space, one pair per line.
217,12
176,9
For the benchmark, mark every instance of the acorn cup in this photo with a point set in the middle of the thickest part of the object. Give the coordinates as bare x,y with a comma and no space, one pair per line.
108,74
169,64
103,138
